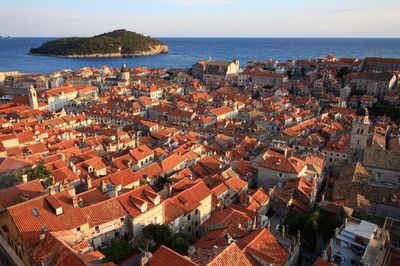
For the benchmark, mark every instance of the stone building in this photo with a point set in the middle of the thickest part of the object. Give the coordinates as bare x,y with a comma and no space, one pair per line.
359,130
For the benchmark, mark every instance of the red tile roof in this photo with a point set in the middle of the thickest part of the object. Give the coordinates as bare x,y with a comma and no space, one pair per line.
124,178
165,256
139,193
263,245
9,164
222,256
20,193
104,212
34,217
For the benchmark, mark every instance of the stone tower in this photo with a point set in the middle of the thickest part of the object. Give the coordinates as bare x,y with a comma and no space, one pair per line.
359,130
33,102
125,72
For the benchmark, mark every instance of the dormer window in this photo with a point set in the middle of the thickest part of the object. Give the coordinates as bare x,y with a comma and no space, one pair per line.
90,169
139,203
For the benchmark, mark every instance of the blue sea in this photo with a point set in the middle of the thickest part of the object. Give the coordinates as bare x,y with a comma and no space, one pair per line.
183,52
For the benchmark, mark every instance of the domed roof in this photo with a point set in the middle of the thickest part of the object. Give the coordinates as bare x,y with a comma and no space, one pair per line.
362,111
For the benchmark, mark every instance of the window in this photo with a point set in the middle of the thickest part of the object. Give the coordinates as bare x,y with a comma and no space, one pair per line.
35,212
122,219
189,229
78,229
280,175
97,229
378,176
196,211
189,217
196,223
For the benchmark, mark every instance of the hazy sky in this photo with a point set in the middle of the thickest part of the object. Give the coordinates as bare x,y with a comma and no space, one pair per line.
203,18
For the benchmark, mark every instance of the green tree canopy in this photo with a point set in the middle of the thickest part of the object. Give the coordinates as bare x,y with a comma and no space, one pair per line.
42,173
161,234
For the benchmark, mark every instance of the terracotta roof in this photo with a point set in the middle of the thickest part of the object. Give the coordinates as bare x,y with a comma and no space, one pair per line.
227,217
91,196
52,250
9,164
20,193
124,177
63,173
221,110
186,201
321,262
171,162
141,152
151,171
34,217
263,245
166,256
236,184
104,212
126,202
221,256
288,165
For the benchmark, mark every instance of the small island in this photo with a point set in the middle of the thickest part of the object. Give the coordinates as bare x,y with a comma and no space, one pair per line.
118,43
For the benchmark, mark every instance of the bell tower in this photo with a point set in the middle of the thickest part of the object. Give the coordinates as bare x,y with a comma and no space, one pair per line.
125,72
359,130
33,102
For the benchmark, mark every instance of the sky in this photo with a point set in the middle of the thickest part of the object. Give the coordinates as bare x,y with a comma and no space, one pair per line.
202,18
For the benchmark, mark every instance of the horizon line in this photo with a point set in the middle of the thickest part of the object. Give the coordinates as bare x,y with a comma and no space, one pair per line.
233,37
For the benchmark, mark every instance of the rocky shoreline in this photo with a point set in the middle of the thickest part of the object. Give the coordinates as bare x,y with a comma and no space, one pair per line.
156,50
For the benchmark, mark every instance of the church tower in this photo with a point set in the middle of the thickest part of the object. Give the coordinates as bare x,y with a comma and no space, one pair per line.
33,102
125,72
359,130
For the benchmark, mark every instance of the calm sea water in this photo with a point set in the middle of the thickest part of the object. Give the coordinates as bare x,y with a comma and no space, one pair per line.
186,51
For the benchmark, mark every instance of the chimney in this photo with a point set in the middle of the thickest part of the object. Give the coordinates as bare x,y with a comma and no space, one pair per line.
191,251
75,201
103,186
52,191
286,152
268,225
88,182
283,231
72,166
324,255
145,258
337,231
298,236
229,238
254,222
330,246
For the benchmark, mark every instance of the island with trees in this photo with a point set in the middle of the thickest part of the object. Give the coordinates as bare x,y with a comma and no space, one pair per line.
118,43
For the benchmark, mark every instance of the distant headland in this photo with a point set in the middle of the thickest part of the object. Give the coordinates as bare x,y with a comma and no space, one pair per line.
118,43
